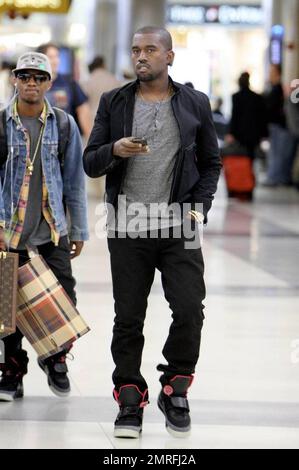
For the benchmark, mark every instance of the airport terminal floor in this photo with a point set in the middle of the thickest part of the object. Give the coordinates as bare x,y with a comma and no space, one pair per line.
246,388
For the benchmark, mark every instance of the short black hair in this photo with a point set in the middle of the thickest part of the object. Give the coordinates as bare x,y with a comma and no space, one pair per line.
165,36
98,62
244,80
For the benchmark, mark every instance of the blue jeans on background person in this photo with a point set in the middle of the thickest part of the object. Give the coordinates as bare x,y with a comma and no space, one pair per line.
281,155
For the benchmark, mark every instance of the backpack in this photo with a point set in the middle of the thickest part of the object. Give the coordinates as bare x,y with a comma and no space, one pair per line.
64,130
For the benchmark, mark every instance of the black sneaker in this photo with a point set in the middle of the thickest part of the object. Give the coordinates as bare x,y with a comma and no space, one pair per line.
11,387
129,419
174,405
11,379
56,370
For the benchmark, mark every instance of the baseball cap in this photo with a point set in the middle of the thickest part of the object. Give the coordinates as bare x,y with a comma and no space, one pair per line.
33,61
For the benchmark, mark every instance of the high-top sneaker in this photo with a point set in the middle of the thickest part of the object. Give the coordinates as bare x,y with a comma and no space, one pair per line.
131,403
174,405
11,379
56,369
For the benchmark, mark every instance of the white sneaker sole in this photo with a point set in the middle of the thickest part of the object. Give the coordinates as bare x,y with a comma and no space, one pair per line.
178,434
6,397
129,433
59,394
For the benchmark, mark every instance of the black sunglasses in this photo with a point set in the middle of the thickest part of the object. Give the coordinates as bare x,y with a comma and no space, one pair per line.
38,78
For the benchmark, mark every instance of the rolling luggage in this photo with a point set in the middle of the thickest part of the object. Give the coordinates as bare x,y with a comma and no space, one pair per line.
238,171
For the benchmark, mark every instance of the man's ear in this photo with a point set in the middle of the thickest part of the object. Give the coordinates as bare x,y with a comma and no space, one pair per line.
170,57
49,85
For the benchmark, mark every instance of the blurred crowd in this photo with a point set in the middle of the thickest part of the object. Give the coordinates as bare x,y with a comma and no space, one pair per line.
270,118
265,126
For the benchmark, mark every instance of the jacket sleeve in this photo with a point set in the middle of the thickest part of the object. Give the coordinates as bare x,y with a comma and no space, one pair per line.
2,218
74,186
2,222
208,159
98,159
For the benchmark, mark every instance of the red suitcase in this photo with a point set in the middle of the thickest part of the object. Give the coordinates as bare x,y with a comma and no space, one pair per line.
238,172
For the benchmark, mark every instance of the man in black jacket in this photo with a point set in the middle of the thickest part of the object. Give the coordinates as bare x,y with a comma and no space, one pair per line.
155,140
248,123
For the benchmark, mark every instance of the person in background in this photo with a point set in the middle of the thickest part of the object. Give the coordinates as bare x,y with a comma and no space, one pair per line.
99,81
292,117
66,93
282,143
248,124
218,106
220,121
34,194
6,83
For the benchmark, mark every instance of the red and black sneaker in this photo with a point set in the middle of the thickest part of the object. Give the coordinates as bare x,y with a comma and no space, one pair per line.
11,379
174,405
131,403
56,369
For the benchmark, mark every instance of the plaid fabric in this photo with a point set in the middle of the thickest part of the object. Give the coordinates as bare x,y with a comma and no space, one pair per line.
13,236
46,316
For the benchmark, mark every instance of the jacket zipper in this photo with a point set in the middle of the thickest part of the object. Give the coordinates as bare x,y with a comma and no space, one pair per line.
178,160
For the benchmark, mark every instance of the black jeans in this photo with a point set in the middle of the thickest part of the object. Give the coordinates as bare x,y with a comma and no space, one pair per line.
58,260
133,263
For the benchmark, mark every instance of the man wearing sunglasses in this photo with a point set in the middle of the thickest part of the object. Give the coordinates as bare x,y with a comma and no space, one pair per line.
34,194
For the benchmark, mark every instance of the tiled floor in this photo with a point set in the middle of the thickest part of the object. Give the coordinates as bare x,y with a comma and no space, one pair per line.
246,390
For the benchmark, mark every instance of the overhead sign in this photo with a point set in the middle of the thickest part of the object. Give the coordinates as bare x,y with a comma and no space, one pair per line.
218,14
276,44
35,6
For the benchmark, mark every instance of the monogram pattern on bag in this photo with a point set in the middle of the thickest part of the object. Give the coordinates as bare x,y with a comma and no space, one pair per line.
7,292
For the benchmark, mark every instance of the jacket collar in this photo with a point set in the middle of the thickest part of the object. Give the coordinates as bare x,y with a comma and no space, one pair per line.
130,88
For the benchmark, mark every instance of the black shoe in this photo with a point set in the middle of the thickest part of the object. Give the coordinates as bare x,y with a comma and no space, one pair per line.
11,380
56,370
129,419
174,405
11,388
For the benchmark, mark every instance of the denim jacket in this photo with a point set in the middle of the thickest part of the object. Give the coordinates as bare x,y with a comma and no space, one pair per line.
70,186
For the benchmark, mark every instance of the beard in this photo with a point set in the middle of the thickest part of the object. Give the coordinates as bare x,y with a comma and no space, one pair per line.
146,78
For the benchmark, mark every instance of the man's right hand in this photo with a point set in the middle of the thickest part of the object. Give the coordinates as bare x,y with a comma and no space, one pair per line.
125,148
2,240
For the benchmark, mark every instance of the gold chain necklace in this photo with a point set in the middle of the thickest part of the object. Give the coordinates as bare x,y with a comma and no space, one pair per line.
158,105
168,93
30,163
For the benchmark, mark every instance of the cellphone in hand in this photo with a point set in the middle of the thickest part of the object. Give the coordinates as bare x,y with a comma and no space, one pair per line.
139,140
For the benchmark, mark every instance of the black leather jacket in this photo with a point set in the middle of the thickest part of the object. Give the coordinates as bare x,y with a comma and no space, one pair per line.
198,162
